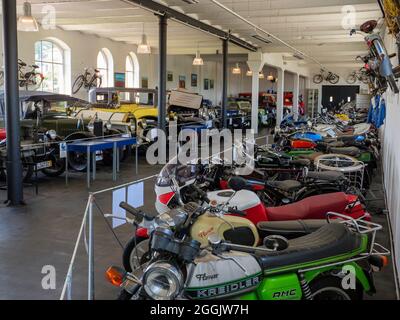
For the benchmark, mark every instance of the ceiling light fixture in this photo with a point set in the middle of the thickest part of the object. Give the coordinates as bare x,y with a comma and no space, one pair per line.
270,77
249,73
198,60
261,75
27,22
143,47
236,69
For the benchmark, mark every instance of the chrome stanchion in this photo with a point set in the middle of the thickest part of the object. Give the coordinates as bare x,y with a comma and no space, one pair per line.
91,251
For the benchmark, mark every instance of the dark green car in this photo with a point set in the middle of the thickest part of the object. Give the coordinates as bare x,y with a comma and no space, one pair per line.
45,121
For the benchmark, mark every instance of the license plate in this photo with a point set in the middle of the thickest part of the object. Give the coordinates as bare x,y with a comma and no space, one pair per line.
44,165
230,121
99,155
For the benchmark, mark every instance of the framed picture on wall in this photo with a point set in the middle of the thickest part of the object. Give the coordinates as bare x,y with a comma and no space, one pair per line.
206,84
170,76
193,82
119,79
145,82
182,82
211,84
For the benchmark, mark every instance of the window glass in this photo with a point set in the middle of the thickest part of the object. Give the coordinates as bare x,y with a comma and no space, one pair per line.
50,59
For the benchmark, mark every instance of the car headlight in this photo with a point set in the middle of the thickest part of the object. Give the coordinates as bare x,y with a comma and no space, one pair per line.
108,125
52,134
90,126
144,123
162,281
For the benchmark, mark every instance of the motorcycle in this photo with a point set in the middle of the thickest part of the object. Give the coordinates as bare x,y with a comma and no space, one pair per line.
313,267
241,213
381,60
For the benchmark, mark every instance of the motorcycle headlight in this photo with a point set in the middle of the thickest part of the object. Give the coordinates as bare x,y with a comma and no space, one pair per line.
52,134
162,281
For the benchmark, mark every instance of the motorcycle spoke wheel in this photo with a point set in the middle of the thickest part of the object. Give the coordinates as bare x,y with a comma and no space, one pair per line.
78,83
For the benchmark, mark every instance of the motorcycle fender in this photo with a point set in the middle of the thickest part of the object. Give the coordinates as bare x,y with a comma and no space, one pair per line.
280,287
361,276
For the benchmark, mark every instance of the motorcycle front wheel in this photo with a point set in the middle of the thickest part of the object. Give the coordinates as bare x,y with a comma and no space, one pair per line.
134,253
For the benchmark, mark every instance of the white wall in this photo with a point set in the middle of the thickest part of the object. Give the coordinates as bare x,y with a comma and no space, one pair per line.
391,156
84,49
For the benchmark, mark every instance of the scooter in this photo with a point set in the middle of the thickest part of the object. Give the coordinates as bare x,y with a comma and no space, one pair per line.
312,267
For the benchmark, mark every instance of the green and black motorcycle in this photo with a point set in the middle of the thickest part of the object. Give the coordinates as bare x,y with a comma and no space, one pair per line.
334,263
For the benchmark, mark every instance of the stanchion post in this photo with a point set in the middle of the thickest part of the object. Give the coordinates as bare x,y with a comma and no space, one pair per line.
91,251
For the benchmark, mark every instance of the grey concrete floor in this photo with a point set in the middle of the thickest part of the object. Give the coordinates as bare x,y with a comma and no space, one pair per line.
44,232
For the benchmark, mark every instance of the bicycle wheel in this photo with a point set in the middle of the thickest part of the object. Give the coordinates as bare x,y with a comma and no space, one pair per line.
334,79
351,79
338,162
34,82
318,78
78,83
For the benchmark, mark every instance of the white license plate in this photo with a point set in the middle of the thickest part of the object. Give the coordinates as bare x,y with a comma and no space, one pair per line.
44,165
99,155
230,121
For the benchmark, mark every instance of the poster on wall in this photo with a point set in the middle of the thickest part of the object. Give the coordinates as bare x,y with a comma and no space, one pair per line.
211,84
182,82
119,79
170,76
145,82
206,84
194,80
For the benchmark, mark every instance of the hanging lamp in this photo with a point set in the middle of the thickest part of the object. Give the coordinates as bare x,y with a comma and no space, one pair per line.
143,47
27,22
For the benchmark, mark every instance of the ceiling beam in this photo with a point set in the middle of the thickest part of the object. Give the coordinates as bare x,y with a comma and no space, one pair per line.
185,19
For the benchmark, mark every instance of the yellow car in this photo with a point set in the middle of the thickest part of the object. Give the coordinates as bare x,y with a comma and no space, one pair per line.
137,106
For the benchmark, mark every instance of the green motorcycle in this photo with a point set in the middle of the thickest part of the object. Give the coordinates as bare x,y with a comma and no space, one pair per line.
334,263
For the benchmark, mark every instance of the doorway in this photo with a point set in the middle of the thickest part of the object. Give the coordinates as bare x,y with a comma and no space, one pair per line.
332,96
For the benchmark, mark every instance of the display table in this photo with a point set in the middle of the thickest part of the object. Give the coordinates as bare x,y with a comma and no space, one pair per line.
91,147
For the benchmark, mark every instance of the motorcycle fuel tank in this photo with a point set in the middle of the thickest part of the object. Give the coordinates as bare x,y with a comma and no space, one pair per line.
242,200
229,274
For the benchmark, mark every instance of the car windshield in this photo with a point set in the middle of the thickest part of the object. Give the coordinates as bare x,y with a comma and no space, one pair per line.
31,108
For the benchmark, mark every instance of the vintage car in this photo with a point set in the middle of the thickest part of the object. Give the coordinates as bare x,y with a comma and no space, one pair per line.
136,106
238,114
190,111
45,121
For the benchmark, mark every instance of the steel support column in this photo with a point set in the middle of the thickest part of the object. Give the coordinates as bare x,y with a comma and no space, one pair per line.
11,97
162,66
224,82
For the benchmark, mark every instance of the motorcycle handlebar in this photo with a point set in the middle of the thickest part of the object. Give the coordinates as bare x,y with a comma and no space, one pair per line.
139,215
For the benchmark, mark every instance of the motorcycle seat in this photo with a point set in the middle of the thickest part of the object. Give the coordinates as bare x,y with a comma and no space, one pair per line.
349,151
329,241
286,185
314,207
290,229
330,176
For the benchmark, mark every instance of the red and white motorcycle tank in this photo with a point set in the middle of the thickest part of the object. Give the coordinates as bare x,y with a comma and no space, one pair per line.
243,200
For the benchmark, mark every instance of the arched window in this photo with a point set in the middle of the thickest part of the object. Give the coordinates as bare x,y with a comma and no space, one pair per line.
106,67
131,71
50,59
